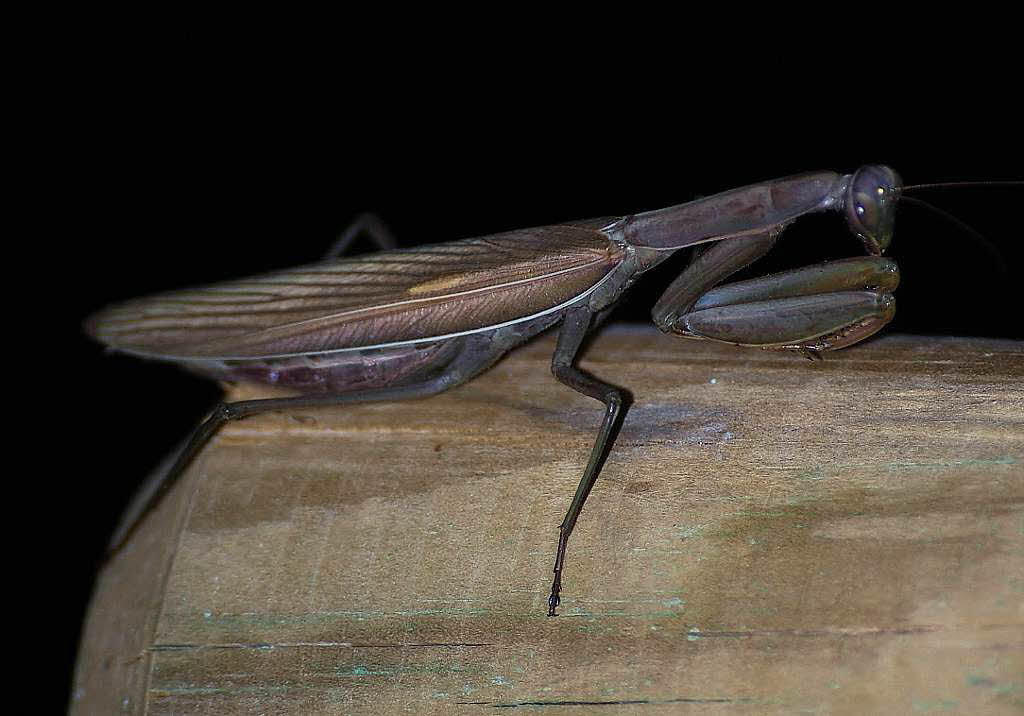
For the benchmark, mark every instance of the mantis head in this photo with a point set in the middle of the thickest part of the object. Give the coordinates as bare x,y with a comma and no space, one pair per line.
870,204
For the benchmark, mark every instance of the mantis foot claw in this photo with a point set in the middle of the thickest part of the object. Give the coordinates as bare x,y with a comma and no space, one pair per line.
554,599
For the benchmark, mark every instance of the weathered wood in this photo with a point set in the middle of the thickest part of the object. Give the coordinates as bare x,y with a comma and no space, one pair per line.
769,535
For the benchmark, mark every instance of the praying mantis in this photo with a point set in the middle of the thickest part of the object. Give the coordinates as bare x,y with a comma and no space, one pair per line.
411,323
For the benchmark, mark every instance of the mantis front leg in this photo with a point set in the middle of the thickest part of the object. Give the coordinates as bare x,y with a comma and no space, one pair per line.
811,309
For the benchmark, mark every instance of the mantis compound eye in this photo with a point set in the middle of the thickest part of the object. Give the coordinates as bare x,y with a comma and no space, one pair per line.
871,205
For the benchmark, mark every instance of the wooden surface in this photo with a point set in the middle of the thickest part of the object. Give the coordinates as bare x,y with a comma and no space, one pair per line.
769,535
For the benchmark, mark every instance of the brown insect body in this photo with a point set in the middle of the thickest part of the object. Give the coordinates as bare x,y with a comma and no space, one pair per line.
412,323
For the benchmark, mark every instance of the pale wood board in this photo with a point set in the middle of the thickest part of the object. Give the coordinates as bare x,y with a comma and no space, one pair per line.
769,535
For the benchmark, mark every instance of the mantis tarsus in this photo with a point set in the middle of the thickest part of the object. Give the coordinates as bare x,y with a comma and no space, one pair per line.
411,323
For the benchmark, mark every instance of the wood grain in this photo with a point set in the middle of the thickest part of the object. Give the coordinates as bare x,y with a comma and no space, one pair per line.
769,535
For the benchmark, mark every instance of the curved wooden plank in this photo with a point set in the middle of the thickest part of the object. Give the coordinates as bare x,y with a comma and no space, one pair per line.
769,536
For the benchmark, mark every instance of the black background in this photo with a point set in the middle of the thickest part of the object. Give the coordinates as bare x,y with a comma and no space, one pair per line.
204,166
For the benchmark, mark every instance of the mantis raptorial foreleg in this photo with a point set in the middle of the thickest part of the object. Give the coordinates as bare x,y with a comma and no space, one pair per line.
815,308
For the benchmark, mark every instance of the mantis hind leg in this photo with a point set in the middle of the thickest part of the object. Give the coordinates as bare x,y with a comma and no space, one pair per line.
474,355
369,225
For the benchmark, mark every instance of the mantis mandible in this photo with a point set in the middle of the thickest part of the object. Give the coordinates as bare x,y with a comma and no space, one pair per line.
411,323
